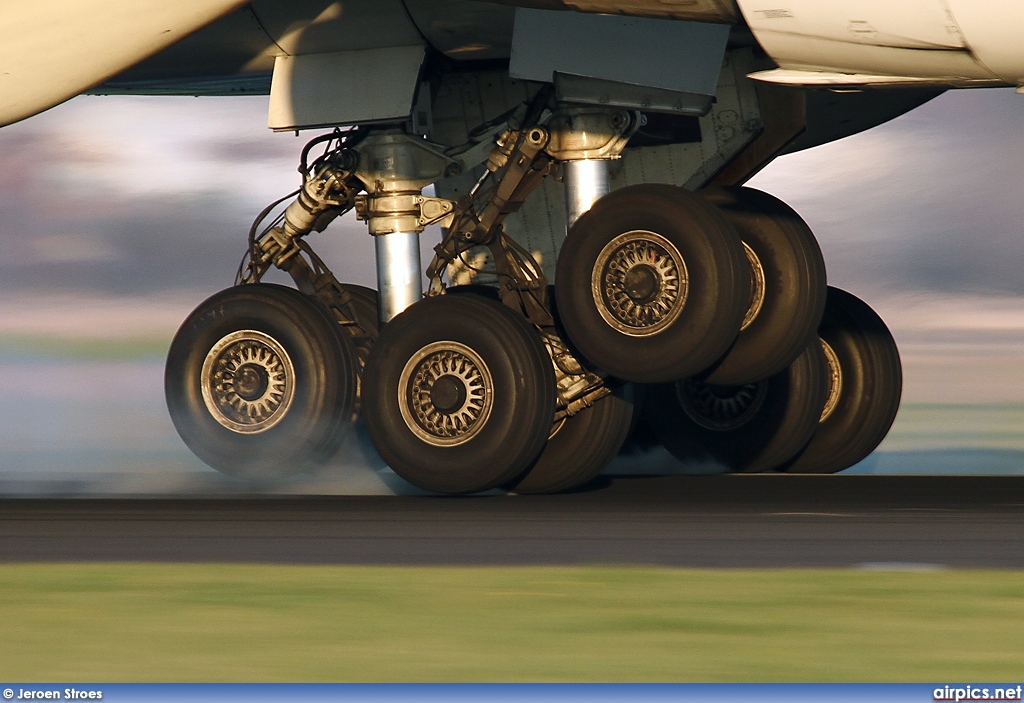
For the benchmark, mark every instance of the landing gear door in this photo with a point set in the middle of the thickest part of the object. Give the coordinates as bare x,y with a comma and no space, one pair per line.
344,87
632,62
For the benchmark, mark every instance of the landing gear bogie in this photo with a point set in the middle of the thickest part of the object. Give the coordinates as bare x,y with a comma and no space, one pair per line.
475,388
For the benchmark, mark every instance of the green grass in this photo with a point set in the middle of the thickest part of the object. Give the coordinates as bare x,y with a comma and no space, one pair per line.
72,349
296,623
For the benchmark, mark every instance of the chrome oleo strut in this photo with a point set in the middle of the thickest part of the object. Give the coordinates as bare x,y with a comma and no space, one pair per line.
381,174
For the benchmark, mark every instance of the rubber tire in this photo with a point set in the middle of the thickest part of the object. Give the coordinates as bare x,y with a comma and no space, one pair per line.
365,300
321,409
582,447
718,293
779,429
524,394
794,281
354,445
871,390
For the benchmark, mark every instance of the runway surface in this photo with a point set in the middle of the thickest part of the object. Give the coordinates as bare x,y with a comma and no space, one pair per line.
719,521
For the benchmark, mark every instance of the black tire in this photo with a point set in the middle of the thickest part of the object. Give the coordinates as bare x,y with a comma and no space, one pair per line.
365,301
363,335
788,286
218,425
484,291
777,416
367,328
581,445
500,440
613,319
863,403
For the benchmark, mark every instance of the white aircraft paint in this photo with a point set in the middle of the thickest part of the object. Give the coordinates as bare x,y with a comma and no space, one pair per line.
961,43
53,50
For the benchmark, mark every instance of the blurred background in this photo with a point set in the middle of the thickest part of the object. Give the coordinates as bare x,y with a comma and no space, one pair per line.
119,214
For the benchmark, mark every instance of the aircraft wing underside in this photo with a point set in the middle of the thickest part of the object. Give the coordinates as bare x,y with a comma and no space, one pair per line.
58,49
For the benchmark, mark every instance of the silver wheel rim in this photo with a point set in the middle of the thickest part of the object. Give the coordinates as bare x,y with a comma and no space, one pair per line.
720,408
248,382
835,381
446,394
756,288
639,283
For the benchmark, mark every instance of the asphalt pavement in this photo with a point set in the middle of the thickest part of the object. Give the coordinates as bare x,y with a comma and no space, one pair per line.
702,521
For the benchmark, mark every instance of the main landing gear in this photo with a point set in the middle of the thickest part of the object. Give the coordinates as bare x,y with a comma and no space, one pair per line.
716,302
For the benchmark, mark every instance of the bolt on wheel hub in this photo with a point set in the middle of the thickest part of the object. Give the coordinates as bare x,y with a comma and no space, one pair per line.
248,382
639,283
446,394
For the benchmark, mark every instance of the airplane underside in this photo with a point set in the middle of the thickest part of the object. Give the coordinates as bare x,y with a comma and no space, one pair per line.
602,267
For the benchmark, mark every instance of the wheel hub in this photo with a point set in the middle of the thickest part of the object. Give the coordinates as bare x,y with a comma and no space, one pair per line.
639,283
248,382
720,408
835,381
446,393
757,288
642,284
251,381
